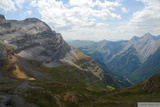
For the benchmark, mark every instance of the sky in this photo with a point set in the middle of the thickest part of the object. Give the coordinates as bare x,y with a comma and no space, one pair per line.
90,19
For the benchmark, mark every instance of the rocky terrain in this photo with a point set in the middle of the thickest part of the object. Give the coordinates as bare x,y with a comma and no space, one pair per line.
32,39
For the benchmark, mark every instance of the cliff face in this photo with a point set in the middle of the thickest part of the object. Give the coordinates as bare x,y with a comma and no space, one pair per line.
32,39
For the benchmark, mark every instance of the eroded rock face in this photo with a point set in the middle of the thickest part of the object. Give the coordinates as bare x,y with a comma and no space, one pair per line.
34,40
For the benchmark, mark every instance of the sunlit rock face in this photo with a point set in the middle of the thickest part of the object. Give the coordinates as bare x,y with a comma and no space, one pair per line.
34,40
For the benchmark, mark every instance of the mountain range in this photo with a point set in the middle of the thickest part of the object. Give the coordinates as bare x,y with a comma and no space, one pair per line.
31,50
39,69
32,39
136,59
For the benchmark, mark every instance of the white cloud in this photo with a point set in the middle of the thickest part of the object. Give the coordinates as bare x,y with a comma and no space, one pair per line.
145,20
81,3
19,3
95,33
88,19
7,5
124,10
28,12
107,4
77,14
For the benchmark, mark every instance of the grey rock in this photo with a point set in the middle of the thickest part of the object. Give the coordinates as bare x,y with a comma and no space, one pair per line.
2,17
14,101
34,40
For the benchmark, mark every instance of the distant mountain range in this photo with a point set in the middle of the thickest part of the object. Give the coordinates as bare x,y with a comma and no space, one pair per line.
136,59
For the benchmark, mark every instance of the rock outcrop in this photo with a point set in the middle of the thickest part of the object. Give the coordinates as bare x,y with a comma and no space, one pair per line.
2,17
33,39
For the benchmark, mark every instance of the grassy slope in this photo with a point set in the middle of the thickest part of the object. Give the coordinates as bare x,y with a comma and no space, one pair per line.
64,86
70,75
147,91
56,94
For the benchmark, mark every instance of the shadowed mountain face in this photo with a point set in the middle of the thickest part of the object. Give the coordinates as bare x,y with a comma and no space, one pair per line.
126,58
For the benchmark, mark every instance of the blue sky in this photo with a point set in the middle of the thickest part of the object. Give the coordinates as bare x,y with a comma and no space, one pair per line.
90,19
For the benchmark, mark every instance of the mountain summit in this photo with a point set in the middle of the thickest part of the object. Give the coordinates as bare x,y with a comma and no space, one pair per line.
34,40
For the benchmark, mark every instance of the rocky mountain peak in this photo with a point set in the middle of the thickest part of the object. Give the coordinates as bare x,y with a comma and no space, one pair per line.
32,19
147,36
144,45
2,17
102,43
144,37
33,39
134,39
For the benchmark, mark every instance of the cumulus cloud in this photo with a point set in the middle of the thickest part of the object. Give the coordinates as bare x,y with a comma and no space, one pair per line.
107,4
88,19
19,3
124,10
81,3
96,33
28,12
77,14
7,5
145,20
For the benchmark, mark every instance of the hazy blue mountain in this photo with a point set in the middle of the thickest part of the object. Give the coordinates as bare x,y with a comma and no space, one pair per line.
149,68
81,43
125,58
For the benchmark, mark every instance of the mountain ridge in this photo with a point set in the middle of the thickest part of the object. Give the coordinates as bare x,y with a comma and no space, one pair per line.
33,39
123,57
